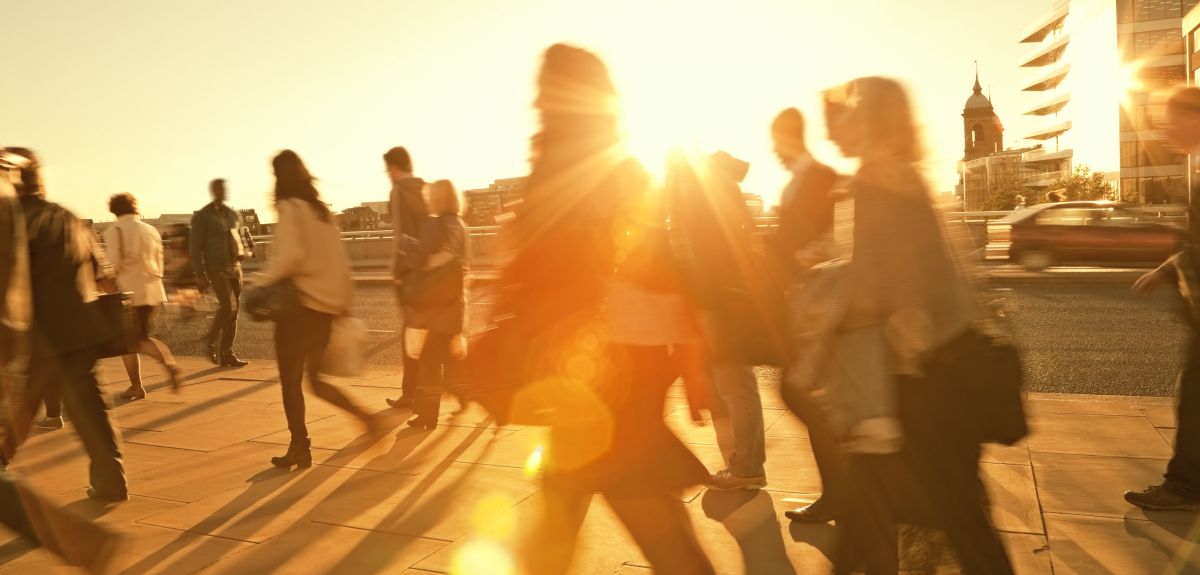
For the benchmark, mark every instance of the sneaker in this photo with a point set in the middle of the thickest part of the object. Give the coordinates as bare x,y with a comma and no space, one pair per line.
50,423
725,480
1162,498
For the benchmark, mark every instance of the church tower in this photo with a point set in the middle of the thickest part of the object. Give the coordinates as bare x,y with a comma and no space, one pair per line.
982,133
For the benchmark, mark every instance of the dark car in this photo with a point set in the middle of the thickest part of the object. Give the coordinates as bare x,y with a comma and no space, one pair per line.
1088,232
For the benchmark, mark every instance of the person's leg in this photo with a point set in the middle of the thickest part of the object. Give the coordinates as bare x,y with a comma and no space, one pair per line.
1183,471
43,373
662,529
229,330
867,532
550,545
52,397
290,335
831,464
739,392
434,356
133,367
219,283
85,403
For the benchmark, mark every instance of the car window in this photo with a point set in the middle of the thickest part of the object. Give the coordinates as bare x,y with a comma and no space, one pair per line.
1074,217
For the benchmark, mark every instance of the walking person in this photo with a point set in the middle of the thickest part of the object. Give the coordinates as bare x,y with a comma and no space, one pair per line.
68,330
408,210
217,251
805,218
727,283
309,254
908,297
602,309
135,251
435,307
1180,489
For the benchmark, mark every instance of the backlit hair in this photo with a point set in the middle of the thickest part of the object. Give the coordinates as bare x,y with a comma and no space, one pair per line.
443,198
882,116
122,204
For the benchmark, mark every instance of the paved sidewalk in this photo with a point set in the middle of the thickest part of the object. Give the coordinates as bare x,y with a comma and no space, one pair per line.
206,498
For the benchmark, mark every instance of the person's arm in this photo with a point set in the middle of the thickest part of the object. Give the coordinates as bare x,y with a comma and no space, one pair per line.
196,249
156,253
1162,275
113,248
287,254
430,242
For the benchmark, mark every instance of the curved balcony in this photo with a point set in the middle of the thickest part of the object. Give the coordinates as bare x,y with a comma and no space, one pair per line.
1050,132
1048,81
1046,25
1054,106
1049,54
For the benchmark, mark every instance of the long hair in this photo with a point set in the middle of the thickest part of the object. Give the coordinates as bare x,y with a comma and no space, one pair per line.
883,119
292,181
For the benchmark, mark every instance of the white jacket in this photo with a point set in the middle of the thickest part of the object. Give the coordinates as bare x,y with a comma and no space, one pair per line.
135,251
310,253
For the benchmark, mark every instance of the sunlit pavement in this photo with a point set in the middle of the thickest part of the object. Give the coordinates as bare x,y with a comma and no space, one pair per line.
205,497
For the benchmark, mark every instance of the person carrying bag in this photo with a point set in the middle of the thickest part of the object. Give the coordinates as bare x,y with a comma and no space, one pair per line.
307,290
435,302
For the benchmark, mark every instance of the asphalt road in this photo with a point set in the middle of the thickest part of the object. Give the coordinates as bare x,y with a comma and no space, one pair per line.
1076,338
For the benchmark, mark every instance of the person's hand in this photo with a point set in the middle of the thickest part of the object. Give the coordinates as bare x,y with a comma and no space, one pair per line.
1149,282
107,285
202,285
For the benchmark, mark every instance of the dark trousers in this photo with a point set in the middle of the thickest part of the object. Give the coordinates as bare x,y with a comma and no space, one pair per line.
1183,471
934,481
438,372
831,465
73,376
227,286
300,342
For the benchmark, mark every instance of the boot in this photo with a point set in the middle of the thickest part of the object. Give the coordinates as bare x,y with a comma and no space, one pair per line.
298,454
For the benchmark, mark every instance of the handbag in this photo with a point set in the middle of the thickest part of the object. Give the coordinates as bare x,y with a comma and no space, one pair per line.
272,302
118,312
346,352
433,288
981,378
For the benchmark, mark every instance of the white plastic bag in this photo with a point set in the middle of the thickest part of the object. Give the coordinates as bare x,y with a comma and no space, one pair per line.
347,349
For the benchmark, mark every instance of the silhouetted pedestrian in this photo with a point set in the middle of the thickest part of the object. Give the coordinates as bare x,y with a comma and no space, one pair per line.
434,306
135,251
408,212
69,329
309,254
217,252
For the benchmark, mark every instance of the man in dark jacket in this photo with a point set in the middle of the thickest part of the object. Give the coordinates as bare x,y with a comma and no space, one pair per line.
68,328
805,215
408,215
216,251
1180,489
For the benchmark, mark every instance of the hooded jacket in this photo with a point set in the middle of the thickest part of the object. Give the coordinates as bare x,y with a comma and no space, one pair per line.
408,214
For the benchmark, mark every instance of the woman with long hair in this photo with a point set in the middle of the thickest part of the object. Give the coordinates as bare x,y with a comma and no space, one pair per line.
602,308
308,252
135,251
435,309
909,295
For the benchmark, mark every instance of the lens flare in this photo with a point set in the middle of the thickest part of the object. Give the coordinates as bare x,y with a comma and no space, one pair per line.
482,556
494,518
534,463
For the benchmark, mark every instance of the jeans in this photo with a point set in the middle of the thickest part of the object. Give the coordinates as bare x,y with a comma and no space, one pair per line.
411,377
1183,471
438,372
738,390
227,287
300,342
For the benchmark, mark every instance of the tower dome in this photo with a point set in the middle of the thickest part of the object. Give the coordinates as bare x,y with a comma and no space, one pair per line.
978,101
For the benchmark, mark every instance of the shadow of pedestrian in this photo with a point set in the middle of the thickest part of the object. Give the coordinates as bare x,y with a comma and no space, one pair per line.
750,517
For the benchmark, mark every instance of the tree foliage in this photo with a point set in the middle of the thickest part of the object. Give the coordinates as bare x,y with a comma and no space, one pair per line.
1083,184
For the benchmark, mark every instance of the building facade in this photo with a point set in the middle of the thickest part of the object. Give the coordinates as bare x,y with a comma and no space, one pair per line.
489,206
1154,60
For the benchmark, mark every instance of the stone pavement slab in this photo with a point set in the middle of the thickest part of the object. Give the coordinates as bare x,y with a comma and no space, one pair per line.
455,500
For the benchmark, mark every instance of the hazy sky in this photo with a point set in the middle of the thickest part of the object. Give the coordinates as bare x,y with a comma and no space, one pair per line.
156,97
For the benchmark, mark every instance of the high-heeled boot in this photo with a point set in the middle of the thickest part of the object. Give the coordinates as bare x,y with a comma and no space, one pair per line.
298,454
